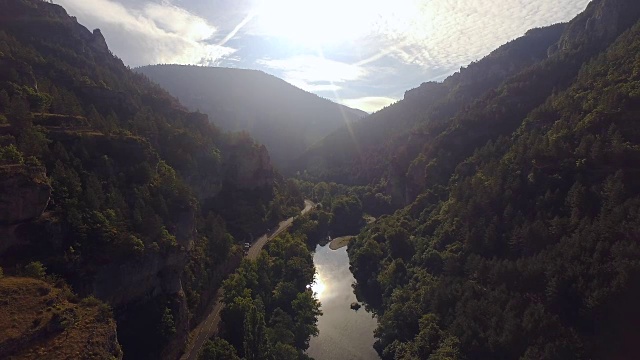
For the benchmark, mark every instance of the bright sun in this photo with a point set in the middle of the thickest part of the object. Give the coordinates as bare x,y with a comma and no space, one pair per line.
328,22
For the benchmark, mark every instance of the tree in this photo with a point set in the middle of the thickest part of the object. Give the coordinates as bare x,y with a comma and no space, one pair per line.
5,101
10,155
347,215
281,327
35,270
32,142
306,309
218,349
19,115
256,342
167,324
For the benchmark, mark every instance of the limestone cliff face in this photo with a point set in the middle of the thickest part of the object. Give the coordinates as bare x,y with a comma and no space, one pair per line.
98,42
151,275
24,195
249,168
46,12
255,171
599,24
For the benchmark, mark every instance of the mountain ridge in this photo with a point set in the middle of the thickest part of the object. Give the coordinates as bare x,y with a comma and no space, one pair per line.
285,118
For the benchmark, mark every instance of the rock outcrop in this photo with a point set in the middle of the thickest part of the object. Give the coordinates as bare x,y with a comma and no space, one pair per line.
599,24
255,171
97,42
24,195
153,274
249,167
427,92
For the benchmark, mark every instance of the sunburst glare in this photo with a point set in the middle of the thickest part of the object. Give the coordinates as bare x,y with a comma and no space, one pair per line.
318,287
320,23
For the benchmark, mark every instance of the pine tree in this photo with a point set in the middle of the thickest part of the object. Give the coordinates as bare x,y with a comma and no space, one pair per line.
19,115
4,101
256,344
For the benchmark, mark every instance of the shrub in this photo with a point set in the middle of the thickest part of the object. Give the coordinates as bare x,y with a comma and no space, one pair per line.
10,155
90,301
35,270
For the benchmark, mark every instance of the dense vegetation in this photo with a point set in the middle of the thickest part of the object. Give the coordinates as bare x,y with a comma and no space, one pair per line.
270,312
144,193
286,119
522,240
381,147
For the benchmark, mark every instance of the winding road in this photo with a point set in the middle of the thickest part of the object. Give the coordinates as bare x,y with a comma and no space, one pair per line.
209,326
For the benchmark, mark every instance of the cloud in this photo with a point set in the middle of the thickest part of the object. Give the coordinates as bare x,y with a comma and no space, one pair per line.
151,33
315,73
355,49
369,104
448,34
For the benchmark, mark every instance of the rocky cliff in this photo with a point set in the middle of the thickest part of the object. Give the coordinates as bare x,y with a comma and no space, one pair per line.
248,166
599,24
24,194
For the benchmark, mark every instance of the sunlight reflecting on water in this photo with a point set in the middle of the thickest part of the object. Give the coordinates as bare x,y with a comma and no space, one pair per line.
345,334
318,287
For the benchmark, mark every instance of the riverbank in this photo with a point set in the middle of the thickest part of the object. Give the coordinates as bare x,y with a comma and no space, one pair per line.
340,242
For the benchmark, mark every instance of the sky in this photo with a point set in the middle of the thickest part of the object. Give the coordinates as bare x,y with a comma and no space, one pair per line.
361,53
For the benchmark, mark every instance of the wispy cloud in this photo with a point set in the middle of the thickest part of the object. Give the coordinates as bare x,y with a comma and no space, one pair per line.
448,34
151,33
315,73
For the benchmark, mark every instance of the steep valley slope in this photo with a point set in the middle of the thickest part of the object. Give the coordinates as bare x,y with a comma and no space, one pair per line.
520,237
114,187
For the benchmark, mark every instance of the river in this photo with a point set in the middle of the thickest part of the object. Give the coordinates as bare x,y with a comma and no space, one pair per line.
345,334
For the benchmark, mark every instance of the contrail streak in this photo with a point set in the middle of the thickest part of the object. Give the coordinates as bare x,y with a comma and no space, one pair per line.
233,33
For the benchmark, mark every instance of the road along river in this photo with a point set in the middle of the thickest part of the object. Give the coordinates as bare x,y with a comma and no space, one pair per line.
209,325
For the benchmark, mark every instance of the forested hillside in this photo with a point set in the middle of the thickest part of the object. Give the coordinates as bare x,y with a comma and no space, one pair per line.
520,239
111,185
380,145
287,120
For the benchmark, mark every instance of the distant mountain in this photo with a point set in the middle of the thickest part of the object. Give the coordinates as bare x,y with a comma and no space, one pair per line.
286,119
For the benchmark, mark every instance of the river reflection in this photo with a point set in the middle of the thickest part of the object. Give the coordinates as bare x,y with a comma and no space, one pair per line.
344,333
